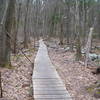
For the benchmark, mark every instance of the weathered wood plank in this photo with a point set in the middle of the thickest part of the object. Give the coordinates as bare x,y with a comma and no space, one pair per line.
54,99
50,89
42,92
51,96
3,99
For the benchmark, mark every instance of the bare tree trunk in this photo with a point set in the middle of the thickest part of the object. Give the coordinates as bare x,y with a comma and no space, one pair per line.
8,26
1,92
88,46
78,49
17,26
3,37
78,43
61,27
61,34
25,25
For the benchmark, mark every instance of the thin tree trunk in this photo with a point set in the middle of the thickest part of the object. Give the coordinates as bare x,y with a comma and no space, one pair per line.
78,43
88,46
25,25
15,37
1,92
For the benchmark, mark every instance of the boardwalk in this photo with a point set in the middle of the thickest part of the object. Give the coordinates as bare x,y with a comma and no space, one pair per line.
46,81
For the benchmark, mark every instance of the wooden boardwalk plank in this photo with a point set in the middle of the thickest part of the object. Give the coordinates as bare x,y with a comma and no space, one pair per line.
52,96
46,81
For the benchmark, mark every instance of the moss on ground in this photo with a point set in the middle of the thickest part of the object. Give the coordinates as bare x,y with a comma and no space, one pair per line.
94,89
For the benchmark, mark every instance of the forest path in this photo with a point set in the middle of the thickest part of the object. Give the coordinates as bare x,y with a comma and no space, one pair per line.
46,82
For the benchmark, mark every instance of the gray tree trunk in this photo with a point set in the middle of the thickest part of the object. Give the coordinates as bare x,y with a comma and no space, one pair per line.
88,46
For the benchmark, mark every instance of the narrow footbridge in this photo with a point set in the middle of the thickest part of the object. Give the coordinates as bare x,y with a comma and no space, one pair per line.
47,84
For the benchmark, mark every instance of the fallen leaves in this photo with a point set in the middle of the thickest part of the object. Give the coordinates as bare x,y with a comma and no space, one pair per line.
75,76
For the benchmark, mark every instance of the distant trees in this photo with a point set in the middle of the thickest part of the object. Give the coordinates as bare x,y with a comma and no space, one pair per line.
72,20
66,20
6,26
12,14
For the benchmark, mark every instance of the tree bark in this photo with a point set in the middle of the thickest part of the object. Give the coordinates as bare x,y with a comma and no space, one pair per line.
17,26
25,25
88,46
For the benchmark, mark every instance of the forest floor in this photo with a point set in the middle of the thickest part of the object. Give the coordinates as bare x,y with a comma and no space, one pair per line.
17,80
76,77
